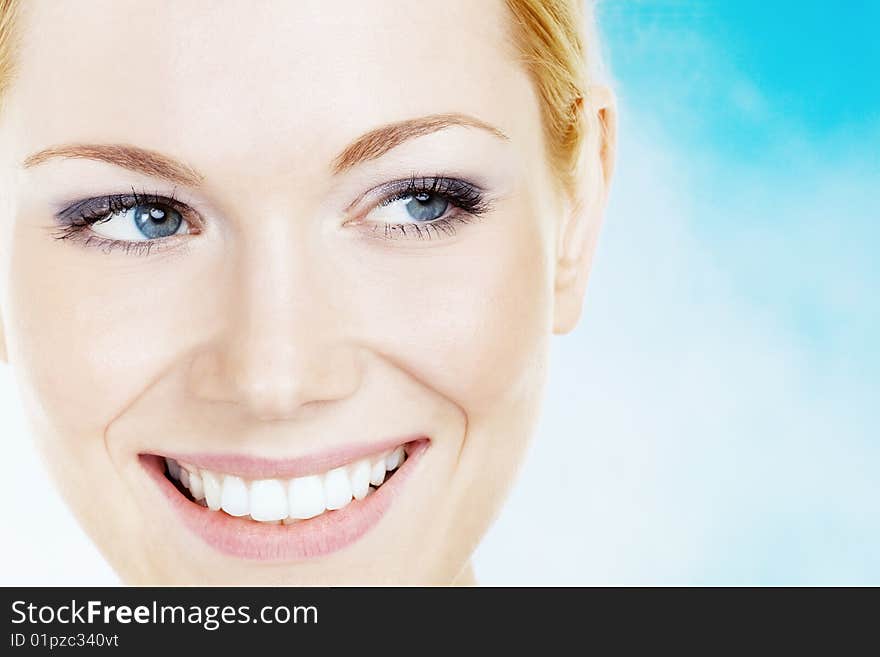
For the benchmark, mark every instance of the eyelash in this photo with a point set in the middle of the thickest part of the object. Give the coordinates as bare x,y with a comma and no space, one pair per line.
468,199
76,219
468,203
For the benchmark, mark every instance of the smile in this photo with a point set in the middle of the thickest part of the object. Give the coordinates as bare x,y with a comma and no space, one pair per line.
307,513
285,500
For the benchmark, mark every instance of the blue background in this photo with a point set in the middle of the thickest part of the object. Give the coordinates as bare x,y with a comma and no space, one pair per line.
714,418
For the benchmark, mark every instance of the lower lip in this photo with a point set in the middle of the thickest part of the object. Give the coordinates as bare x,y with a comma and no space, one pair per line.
305,539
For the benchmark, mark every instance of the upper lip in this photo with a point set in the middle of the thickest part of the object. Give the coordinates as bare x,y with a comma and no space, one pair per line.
248,466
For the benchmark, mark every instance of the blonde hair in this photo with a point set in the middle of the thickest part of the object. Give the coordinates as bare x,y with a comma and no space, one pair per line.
8,11
557,44
555,41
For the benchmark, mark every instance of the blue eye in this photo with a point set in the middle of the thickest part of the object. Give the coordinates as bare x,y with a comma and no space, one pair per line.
425,206
412,208
133,222
141,222
155,221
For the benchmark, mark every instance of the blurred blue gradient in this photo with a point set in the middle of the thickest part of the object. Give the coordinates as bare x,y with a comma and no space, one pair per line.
777,107
714,418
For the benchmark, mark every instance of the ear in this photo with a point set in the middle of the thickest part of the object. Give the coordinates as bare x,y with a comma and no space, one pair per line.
580,227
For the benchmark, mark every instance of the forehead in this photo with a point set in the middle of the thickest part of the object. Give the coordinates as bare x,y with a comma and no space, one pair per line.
299,77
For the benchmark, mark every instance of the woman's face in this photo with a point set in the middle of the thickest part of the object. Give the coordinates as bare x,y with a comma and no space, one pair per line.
279,291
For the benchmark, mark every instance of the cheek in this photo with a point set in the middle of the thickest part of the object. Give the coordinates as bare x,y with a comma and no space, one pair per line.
469,320
86,339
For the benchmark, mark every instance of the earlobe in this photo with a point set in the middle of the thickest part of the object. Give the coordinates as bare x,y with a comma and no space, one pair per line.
573,268
579,232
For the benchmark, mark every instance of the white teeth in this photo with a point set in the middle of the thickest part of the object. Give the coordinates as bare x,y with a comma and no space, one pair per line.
235,496
360,479
213,490
377,474
195,484
306,497
268,500
394,459
278,501
337,488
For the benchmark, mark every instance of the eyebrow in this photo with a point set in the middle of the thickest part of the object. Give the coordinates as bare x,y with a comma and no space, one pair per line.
133,158
376,143
368,146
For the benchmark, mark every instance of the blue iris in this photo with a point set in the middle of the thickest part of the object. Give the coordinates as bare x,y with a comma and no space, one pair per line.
156,221
426,207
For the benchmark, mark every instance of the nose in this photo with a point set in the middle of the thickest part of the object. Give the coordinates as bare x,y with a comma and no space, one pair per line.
285,344
275,374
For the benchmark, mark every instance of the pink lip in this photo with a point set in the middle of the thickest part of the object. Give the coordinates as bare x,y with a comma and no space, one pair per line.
323,534
256,467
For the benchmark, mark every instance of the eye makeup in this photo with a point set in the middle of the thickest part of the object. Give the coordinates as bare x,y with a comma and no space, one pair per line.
75,222
435,206
427,207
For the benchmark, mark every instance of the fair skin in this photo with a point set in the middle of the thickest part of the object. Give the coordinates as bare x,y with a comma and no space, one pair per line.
283,323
